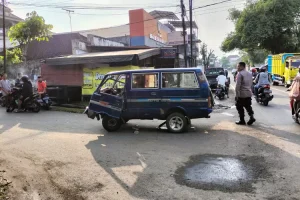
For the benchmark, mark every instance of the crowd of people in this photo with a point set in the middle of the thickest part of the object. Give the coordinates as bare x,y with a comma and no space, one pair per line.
26,86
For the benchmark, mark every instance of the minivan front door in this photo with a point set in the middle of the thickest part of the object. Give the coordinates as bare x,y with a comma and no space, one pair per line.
143,100
109,97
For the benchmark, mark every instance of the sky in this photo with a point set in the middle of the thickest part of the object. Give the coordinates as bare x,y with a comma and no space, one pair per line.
212,21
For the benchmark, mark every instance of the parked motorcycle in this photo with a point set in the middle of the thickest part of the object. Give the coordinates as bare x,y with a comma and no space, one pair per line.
29,104
264,95
45,102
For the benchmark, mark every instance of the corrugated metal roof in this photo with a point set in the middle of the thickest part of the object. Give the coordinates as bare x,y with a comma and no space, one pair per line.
103,57
178,24
157,14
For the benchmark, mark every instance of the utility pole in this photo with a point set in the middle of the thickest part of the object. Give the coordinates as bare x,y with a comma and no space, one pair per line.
4,38
183,14
69,12
191,31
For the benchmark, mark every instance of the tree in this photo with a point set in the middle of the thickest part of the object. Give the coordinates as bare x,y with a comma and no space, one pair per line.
33,28
205,55
225,62
271,25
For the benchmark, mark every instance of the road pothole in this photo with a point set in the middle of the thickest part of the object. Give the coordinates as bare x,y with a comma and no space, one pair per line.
224,173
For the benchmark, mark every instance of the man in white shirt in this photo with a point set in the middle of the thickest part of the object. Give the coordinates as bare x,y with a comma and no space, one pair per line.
222,81
5,85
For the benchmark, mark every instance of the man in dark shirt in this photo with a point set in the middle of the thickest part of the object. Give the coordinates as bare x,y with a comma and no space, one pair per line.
26,91
244,94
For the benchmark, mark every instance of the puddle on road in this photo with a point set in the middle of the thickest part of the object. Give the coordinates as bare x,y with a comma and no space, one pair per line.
224,173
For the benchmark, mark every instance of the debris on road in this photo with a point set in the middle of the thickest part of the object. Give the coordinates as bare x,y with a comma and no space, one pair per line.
4,184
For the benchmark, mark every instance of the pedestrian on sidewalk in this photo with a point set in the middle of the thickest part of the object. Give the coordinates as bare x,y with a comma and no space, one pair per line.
244,94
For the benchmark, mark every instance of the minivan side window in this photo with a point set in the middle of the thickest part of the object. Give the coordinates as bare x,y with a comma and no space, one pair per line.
145,80
179,80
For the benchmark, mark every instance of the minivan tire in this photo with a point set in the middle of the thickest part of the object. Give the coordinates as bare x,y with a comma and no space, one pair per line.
177,123
111,124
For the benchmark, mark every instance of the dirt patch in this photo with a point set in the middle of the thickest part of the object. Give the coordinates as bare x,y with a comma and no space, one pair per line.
4,186
223,173
75,190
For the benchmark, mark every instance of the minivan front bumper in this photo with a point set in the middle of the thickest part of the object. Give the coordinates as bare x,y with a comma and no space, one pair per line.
91,114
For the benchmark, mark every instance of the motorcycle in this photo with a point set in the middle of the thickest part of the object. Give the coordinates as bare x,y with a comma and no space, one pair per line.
2,100
296,117
29,104
264,95
45,102
221,92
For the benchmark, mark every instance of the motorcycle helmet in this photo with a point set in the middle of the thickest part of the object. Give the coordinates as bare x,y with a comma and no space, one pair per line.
254,70
24,78
263,69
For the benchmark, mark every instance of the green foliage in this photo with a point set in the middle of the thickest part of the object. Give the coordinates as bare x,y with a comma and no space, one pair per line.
33,28
12,56
272,25
225,62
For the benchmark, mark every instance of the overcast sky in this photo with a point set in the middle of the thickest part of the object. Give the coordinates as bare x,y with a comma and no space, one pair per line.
212,21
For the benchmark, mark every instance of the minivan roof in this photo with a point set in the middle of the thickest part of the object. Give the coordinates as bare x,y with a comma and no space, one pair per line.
158,70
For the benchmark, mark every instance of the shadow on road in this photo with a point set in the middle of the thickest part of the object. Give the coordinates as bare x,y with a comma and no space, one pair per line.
144,164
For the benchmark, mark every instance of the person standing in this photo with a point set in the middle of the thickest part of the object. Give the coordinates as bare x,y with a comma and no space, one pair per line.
298,74
41,85
5,87
244,94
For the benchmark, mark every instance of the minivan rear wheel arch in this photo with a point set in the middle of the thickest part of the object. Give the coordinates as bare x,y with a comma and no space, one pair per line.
175,110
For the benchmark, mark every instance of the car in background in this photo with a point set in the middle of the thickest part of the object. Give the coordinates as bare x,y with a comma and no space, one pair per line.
212,74
233,71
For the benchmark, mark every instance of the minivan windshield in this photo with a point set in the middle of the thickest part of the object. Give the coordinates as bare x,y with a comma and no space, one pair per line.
113,84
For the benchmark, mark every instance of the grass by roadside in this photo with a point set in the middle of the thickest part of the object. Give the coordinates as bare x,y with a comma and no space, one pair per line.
65,109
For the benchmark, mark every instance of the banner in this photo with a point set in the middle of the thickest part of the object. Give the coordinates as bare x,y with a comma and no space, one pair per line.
93,77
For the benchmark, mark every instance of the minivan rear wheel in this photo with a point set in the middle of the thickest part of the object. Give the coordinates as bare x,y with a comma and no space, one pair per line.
111,124
177,123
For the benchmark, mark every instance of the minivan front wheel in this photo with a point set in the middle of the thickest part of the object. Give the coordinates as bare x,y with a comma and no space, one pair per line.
111,124
177,123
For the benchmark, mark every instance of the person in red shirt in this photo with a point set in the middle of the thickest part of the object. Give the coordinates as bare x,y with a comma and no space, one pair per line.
42,87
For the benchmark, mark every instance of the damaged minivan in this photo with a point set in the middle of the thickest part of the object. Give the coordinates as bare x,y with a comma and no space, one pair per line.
173,95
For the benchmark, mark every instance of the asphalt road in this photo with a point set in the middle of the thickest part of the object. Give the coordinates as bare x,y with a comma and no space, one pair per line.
56,155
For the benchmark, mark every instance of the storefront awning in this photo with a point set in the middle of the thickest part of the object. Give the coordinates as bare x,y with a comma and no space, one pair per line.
103,57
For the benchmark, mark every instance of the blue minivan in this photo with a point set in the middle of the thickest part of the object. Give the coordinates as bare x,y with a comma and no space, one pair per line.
173,95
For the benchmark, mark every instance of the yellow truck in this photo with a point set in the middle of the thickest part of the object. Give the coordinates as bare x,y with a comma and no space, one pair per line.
284,68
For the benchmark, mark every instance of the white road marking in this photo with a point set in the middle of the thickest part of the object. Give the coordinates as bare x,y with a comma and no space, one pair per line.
228,114
273,88
232,87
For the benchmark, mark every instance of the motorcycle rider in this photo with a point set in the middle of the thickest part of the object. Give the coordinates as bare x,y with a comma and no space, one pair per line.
222,81
26,92
254,72
261,79
18,80
294,94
